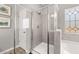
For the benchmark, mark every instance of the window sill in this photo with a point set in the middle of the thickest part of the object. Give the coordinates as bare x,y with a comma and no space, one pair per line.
71,33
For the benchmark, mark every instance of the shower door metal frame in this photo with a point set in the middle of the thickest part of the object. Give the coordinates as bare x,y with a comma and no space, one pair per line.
15,30
47,31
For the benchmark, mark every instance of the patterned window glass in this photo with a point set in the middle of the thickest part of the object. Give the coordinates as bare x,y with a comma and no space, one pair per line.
72,20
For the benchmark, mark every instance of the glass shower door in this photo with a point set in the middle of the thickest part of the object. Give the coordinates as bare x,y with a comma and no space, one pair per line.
23,25
54,32
51,29
39,31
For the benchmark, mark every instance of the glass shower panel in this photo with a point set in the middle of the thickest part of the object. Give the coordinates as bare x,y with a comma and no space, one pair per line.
23,25
39,31
51,16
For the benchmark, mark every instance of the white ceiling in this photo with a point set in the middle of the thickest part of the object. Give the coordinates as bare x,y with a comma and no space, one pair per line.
33,6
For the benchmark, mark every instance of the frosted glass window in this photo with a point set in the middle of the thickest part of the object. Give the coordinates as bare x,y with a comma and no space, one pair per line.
66,24
77,24
26,23
72,23
72,17
77,16
72,20
66,17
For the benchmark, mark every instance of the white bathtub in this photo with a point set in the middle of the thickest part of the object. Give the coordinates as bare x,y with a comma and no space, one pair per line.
69,47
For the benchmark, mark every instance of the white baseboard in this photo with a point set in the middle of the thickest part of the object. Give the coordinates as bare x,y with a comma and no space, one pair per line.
8,50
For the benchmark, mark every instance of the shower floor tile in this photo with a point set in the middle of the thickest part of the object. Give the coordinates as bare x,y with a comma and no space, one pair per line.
42,48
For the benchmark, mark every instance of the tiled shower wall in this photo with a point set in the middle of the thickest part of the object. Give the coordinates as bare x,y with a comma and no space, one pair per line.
36,29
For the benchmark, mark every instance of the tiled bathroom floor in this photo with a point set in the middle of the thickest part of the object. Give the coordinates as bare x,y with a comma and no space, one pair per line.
69,47
18,50
42,48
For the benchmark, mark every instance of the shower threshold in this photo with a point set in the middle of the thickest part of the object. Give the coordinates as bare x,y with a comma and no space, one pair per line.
42,49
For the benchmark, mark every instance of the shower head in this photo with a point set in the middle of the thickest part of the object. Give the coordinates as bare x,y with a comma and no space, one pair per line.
39,12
